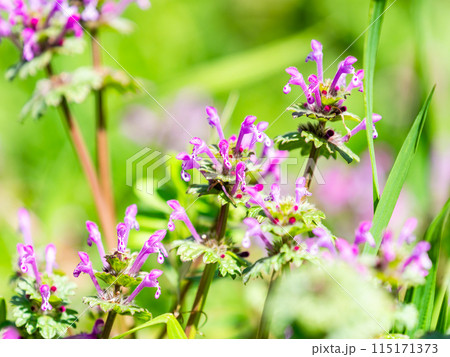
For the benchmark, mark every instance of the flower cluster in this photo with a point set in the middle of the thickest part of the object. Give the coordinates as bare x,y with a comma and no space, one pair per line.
325,98
281,216
122,268
95,13
42,293
398,263
28,263
228,163
38,26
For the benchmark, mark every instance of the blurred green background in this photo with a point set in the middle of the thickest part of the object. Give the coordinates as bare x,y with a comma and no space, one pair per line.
192,53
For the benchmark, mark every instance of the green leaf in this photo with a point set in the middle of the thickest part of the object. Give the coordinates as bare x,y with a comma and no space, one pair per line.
370,53
2,310
122,280
397,177
121,309
47,327
442,320
423,296
174,330
308,136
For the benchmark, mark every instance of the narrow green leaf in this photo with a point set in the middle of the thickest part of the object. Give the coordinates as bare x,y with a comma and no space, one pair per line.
397,177
423,296
2,310
174,330
442,320
370,53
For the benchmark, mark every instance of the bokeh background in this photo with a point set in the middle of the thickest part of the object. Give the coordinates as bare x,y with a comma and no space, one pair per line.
192,53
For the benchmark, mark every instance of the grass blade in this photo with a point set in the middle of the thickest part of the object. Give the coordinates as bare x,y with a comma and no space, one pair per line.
397,177
424,296
442,320
370,53
174,330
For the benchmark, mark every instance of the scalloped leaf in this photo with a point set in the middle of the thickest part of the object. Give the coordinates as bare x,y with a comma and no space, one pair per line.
106,306
122,280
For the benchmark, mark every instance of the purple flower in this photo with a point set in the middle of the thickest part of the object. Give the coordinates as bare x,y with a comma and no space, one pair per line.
73,24
357,81
5,28
248,127
345,67
297,79
95,334
363,126
323,240
257,199
50,258
152,245
200,147
130,217
275,193
240,178
45,293
317,56
25,225
85,266
150,281
90,12
348,252
387,247
272,161
27,259
179,214
96,238
406,234
30,45
188,162
214,121
419,260
300,190
11,333
223,149
122,237
363,235
254,230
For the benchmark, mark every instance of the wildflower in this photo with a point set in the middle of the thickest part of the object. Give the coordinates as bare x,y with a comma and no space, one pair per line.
27,258
347,252
363,235
37,26
25,225
300,190
50,258
188,162
150,281
240,178
85,266
325,97
45,293
254,230
223,149
96,238
97,329
152,245
363,126
248,127
272,160
214,121
122,237
130,217
406,234
179,214
419,260
200,147
323,240
11,333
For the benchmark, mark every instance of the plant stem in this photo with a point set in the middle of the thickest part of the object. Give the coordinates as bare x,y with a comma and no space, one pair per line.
207,278
264,324
312,162
103,163
88,168
109,324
